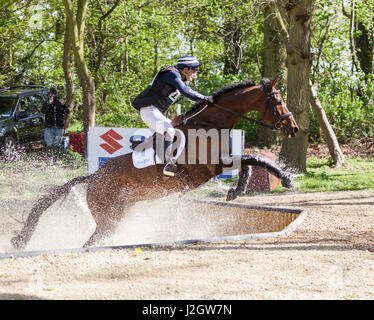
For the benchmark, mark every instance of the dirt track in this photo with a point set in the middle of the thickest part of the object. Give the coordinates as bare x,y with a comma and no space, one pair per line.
329,256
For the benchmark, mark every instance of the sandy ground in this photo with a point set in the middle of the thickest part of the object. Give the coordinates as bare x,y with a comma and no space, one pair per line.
329,256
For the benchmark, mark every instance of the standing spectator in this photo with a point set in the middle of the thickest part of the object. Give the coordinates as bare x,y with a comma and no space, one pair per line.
55,112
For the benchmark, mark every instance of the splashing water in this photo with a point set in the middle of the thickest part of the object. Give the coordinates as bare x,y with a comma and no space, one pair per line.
163,220
22,182
68,223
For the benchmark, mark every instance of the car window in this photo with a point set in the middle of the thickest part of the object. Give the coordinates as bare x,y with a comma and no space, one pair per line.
36,103
6,106
24,105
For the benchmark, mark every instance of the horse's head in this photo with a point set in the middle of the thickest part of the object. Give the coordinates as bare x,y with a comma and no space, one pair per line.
276,112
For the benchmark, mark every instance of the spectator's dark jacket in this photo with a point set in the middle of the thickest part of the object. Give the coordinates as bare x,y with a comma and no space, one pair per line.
55,113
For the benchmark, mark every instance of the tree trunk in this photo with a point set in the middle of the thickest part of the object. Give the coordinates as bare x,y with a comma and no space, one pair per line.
352,22
365,48
233,56
274,66
69,82
76,25
293,152
361,38
330,138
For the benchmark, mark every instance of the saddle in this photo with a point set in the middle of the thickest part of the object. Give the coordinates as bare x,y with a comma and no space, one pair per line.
150,151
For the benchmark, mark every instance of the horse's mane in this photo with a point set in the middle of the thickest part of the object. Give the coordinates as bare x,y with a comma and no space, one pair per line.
224,90
232,87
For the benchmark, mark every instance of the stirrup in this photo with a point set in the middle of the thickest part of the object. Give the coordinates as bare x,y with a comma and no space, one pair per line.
170,169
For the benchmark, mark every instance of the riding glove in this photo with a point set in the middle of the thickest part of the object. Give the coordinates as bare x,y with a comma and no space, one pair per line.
210,99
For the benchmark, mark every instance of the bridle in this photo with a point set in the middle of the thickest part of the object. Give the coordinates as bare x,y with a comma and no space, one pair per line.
270,102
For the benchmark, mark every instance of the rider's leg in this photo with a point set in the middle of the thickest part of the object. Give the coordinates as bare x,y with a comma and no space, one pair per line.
153,117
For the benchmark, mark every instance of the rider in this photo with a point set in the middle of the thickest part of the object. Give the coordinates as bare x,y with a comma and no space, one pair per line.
162,92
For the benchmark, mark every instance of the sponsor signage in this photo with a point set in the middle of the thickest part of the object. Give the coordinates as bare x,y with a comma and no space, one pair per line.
105,143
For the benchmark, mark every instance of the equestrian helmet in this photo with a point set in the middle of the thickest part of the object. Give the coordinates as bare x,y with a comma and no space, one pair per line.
189,62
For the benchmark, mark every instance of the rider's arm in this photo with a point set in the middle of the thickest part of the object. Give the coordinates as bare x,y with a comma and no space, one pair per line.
175,79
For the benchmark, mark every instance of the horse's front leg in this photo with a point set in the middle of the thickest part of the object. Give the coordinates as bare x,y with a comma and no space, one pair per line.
244,176
256,161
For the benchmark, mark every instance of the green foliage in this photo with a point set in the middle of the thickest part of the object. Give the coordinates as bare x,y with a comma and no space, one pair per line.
127,42
346,94
350,112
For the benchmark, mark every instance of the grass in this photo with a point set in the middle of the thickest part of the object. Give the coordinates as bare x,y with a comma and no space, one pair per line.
27,177
357,174
321,176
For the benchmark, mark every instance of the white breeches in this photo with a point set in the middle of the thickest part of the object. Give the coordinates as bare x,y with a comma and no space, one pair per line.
154,119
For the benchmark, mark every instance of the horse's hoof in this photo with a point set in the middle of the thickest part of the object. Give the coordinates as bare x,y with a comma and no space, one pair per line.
231,195
18,242
287,183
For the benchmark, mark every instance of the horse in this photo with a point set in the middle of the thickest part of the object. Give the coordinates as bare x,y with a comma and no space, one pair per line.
117,185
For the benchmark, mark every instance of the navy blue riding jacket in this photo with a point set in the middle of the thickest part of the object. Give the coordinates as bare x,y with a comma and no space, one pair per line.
164,89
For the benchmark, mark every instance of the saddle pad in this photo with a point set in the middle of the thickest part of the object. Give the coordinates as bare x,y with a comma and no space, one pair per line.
148,157
145,158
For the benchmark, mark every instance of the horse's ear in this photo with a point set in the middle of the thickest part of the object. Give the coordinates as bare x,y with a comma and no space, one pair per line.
274,82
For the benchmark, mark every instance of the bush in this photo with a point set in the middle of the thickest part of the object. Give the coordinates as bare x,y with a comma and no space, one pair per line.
349,107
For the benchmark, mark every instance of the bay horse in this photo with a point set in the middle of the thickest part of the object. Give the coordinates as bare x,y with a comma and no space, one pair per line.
117,185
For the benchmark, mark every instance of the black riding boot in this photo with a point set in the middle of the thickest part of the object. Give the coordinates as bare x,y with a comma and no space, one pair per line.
170,168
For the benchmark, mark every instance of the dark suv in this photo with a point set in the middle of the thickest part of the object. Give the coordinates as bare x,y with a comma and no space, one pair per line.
21,122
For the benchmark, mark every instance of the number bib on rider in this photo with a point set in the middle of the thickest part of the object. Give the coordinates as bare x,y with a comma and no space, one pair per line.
173,96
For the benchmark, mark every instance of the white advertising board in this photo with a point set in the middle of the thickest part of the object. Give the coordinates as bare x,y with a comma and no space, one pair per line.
108,142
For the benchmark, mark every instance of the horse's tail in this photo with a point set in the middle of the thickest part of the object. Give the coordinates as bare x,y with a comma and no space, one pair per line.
42,204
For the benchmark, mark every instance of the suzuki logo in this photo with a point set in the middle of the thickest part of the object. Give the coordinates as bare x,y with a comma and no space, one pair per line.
111,144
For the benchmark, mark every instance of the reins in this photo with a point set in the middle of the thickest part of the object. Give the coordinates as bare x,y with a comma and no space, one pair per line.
269,95
255,121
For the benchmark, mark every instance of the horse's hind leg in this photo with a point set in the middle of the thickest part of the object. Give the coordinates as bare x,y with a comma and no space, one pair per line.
107,219
101,232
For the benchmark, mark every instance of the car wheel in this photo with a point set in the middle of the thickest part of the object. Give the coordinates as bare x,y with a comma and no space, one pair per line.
9,149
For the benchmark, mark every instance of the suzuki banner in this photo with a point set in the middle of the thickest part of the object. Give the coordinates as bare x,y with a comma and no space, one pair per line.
106,142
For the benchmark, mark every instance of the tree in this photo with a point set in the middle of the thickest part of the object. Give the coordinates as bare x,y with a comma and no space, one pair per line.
274,66
361,34
126,42
67,60
76,24
16,30
332,142
293,152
